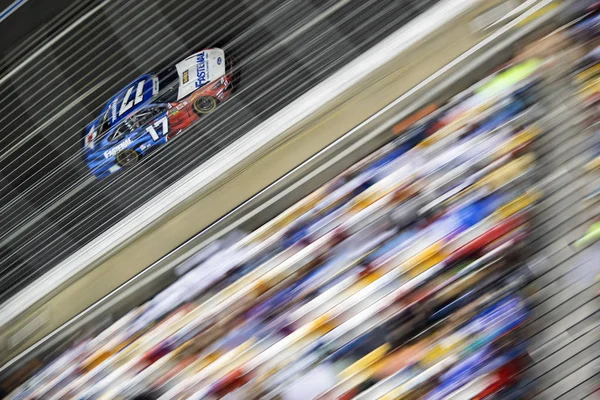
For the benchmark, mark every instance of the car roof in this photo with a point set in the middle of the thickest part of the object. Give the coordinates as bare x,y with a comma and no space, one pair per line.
114,107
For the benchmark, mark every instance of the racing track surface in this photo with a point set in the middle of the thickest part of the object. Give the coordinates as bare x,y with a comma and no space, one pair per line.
50,205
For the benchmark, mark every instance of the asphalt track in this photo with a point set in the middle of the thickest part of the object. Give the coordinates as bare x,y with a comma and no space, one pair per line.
50,204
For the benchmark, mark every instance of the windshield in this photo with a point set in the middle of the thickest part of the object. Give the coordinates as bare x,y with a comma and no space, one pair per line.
168,81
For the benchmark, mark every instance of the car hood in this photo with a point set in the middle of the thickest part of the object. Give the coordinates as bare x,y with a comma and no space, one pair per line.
199,69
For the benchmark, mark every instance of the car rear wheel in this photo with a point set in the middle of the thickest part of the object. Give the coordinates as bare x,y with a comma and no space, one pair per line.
205,105
127,157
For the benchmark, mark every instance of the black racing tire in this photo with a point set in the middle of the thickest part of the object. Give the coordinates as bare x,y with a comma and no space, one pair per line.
205,105
127,157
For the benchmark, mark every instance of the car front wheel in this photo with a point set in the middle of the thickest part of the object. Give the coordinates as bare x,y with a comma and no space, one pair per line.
205,105
127,157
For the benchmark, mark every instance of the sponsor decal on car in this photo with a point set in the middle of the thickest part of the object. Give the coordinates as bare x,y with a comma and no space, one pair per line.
201,70
186,76
121,146
155,88
178,107
90,138
113,110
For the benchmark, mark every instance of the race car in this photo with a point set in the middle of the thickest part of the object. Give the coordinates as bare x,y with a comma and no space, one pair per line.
154,109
